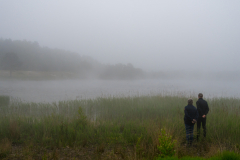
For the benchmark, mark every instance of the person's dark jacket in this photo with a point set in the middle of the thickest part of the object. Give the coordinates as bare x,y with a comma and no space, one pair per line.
202,107
190,114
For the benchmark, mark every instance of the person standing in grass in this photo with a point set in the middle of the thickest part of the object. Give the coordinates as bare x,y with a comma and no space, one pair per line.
202,107
190,118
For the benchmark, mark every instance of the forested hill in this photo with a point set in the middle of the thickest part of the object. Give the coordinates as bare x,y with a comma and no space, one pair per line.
29,56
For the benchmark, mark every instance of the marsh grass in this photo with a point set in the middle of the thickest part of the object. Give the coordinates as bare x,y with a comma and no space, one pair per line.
4,101
125,127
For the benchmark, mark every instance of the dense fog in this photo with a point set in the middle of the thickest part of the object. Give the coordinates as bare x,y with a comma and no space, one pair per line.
155,35
56,50
30,73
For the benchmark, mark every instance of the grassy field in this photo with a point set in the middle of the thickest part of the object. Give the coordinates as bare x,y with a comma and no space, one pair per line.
113,128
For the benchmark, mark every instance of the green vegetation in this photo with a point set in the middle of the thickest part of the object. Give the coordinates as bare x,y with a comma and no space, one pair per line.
166,144
226,155
4,100
115,127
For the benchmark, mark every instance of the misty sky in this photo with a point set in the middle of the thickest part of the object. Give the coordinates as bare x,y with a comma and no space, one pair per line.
150,34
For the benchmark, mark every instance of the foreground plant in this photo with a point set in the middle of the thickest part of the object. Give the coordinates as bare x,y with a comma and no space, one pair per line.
166,144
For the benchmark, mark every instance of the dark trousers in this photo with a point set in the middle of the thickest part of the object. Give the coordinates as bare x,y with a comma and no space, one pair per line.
201,121
189,133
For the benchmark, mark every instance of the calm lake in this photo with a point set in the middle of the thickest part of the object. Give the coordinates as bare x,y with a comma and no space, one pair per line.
51,91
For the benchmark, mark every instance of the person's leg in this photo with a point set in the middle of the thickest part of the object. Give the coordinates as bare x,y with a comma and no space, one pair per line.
198,127
191,134
204,126
187,133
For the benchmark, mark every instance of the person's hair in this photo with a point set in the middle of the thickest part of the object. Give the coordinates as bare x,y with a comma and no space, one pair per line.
200,95
190,101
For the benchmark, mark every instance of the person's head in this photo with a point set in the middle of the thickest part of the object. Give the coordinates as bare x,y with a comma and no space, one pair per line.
190,101
200,95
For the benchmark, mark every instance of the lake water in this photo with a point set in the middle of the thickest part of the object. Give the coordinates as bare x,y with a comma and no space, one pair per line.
51,91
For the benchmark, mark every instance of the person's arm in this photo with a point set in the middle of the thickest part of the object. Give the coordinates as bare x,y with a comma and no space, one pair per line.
207,109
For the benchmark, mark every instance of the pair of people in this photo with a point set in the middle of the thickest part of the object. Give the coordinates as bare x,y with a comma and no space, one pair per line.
195,115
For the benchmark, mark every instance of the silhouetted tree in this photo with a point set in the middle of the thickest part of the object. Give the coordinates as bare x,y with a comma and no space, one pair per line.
10,61
36,58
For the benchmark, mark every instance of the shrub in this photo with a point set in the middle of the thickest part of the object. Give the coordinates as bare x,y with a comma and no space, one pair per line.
166,144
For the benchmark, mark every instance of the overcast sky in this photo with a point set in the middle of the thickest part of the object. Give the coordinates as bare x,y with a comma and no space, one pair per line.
150,34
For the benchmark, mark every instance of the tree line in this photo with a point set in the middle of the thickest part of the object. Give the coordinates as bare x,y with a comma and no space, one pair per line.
30,56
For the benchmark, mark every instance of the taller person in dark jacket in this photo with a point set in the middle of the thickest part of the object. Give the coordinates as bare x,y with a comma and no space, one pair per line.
202,107
190,118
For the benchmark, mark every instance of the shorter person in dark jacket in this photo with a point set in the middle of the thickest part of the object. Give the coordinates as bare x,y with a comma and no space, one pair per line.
202,107
190,118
